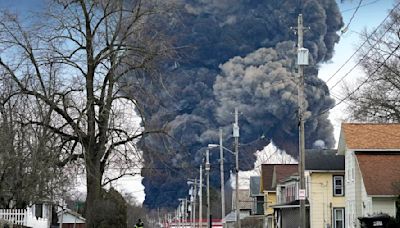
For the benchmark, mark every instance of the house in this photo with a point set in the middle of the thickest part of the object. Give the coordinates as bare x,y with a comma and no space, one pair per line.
287,208
372,174
36,215
324,174
256,195
270,175
325,196
245,206
70,219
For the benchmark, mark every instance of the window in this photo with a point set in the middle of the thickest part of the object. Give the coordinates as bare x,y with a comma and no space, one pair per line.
338,217
338,186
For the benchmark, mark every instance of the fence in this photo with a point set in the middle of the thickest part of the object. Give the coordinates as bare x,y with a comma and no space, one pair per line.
15,216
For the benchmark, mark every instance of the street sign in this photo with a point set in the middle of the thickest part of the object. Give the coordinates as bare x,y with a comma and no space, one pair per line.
302,194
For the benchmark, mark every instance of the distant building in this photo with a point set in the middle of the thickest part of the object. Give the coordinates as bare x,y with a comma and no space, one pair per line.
271,174
70,219
257,207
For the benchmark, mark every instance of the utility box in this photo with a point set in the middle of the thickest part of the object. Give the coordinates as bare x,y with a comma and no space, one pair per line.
235,130
302,56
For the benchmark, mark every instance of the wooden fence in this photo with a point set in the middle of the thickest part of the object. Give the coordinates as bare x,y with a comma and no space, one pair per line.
14,216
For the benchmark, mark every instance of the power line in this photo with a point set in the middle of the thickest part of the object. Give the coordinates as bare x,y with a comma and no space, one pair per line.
365,81
362,45
352,17
365,55
363,5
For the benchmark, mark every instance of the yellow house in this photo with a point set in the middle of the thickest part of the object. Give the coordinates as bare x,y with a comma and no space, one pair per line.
271,174
325,188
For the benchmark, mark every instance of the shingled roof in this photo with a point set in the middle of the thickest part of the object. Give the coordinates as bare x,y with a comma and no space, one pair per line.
323,159
369,136
266,177
273,173
380,173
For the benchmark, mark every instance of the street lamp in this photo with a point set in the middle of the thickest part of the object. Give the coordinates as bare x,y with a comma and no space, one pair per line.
236,153
221,156
207,168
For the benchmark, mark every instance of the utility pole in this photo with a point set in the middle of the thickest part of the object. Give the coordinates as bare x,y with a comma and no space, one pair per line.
302,60
194,204
236,136
186,212
208,187
201,198
221,166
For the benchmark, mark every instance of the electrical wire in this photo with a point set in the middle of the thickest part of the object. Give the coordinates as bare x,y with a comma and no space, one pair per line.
352,17
362,45
363,5
362,83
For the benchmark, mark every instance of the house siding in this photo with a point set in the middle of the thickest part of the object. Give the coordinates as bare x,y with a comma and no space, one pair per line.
322,200
366,201
353,190
269,200
349,188
384,205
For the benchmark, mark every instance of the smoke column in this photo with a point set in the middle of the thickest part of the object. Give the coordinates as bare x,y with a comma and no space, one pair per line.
233,53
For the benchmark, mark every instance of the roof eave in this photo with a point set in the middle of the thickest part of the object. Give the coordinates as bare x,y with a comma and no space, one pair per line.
326,171
373,150
383,196
342,147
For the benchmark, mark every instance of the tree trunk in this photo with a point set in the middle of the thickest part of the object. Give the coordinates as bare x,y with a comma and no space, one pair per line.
93,181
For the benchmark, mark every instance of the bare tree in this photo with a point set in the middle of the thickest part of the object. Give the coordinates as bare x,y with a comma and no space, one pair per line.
376,98
29,153
72,62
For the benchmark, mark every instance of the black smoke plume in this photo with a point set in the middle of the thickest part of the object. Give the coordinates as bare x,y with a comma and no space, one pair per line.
234,53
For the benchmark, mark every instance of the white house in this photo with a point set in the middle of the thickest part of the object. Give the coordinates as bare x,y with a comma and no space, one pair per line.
69,218
372,169
37,215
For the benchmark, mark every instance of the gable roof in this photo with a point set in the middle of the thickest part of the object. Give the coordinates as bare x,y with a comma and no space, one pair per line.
323,159
282,172
271,173
369,136
266,177
380,172
254,186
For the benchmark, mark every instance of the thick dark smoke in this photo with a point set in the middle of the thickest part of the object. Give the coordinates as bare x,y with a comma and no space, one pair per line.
234,53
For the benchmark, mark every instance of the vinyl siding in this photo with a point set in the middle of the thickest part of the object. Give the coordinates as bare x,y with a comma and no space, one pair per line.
353,190
384,205
322,200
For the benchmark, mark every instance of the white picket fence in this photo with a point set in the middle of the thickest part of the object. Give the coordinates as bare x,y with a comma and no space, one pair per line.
15,216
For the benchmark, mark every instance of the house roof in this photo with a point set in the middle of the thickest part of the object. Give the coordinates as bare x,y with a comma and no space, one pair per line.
380,173
292,204
254,186
369,136
71,212
266,175
281,171
323,159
